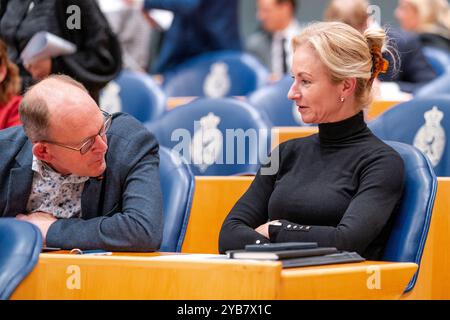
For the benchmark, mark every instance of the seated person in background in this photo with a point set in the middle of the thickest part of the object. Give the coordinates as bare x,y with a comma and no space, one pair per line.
352,12
428,18
198,26
272,44
98,57
86,179
9,88
410,70
133,32
340,187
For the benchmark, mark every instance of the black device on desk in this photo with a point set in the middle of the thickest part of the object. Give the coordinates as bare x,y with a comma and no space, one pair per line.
50,249
281,246
295,254
337,258
279,255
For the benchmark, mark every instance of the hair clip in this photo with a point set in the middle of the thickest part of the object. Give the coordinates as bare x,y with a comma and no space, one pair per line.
384,68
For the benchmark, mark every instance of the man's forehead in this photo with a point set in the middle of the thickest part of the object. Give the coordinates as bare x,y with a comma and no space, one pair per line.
57,94
75,127
74,113
75,116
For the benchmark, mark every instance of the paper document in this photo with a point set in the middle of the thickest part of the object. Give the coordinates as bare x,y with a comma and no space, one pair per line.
45,45
119,5
390,91
162,18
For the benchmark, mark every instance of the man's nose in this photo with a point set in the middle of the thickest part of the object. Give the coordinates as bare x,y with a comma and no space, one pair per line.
100,144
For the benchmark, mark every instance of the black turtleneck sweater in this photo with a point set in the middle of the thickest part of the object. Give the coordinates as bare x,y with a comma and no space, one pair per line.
339,188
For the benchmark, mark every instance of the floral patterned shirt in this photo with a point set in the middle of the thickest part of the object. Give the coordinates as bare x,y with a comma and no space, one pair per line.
54,193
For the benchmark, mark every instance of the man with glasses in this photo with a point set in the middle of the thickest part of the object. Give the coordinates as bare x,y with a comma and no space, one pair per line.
87,179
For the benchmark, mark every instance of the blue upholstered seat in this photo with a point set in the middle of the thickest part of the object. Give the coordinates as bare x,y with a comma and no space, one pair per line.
134,93
439,86
216,75
216,136
20,245
407,239
177,184
424,123
272,99
437,58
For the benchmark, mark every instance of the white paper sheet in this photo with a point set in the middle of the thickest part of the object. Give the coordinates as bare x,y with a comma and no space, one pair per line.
45,45
163,18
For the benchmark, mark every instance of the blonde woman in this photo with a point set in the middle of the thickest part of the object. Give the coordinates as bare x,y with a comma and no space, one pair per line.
340,187
9,88
429,18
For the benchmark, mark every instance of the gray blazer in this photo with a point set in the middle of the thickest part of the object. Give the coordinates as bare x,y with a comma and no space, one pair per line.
121,212
259,44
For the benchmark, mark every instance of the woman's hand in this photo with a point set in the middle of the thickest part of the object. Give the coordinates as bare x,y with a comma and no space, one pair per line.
40,69
264,229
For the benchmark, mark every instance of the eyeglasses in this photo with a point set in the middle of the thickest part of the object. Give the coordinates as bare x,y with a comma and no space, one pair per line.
87,145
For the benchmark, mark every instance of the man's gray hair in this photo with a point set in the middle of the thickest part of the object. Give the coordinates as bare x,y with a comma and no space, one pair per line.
33,110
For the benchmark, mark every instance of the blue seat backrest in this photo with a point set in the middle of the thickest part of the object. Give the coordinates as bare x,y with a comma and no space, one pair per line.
439,86
407,123
177,184
437,58
216,75
410,229
20,245
222,149
272,99
134,93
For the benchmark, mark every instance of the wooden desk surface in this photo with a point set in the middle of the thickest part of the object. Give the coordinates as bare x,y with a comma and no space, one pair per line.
283,134
160,276
379,106
210,208
213,199
434,276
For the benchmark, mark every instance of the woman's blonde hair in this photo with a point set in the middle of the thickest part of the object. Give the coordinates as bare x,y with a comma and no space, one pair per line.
10,86
347,53
434,16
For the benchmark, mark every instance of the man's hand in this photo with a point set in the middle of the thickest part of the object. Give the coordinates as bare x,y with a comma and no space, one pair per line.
40,69
42,220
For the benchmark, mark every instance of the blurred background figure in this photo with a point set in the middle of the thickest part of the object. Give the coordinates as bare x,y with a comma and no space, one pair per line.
351,12
410,71
198,26
272,43
428,18
98,56
9,88
132,30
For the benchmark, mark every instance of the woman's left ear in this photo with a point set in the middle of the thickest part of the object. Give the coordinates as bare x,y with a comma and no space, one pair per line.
348,87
